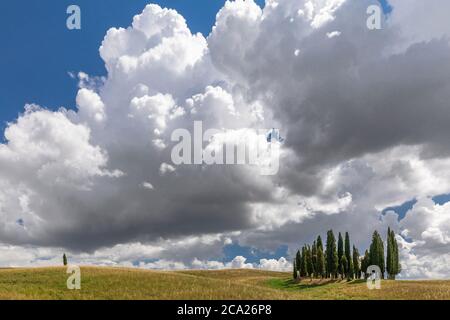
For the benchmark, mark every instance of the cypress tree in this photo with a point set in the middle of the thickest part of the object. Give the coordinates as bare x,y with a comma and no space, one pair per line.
374,251
350,270
319,243
309,262
295,271
340,253
365,263
340,246
332,260
377,252
356,265
396,257
314,258
348,253
335,259
64,259
381,255
389,255
298,261
320,269
304,262
327,257
343,266
395,263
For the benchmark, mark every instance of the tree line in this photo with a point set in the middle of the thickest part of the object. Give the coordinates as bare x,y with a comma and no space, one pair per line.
341,261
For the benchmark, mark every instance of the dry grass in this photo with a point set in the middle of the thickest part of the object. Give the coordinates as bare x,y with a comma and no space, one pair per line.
115,283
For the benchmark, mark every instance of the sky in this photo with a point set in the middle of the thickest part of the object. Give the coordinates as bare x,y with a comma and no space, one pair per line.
39,50
364,113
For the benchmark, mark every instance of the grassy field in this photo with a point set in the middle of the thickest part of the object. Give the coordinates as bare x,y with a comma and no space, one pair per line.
115,283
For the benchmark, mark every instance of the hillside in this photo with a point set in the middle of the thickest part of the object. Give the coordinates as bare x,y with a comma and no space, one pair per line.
122,283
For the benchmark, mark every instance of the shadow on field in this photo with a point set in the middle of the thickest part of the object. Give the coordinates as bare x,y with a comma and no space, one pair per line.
304,284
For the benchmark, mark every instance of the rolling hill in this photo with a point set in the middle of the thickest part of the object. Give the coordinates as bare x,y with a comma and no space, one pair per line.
123,283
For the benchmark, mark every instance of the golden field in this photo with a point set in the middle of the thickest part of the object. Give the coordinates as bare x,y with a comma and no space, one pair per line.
122,283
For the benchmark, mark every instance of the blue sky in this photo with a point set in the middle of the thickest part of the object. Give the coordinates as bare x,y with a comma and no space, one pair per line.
39,50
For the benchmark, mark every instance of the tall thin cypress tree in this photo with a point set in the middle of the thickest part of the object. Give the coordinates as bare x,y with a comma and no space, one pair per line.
295,271
319,242
332,260
365,263
304,261
298,261
340,253
395,263
348,255
343,266
389,255
320,269
381,254
377,252
309,261
350,270
314,258
374,250
356,264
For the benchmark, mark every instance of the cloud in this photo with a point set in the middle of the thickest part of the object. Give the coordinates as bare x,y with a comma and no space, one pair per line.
275,265
364,115
333,34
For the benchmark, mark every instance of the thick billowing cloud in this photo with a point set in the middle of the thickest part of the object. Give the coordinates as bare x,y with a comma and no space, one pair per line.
364,112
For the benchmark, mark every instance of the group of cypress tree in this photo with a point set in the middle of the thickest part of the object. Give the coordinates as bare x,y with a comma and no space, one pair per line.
340,261
310,262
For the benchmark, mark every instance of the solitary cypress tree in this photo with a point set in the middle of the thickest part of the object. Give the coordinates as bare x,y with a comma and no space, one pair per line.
64,259
356,265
